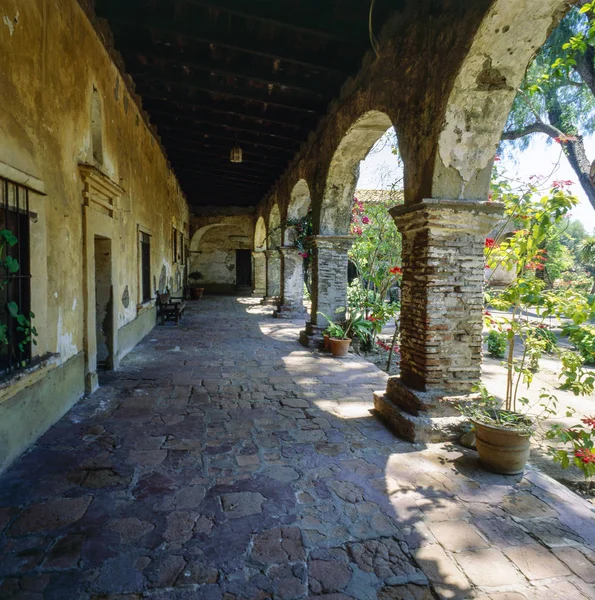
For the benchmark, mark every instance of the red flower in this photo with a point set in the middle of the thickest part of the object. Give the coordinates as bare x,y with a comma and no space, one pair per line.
585,456
490,242
365,220
496,158
589,421
304,254
562,183
396,271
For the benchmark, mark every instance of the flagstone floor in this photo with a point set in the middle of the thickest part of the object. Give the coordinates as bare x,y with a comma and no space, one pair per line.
225,461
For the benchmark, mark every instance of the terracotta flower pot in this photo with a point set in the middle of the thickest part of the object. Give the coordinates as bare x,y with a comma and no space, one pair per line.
501,450
340,347
326,340
196,293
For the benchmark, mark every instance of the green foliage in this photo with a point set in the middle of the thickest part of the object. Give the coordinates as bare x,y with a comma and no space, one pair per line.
376,254
538,218
581,439
488,410
550,340
356,326
574,377
10,266
497,341
583,338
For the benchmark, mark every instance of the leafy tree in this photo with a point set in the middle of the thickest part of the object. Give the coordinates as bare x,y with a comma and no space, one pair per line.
557,96
587,255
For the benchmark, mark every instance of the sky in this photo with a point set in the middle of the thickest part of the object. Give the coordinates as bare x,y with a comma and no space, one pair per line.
380,169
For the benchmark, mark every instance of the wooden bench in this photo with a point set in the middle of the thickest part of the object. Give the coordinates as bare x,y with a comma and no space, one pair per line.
170,309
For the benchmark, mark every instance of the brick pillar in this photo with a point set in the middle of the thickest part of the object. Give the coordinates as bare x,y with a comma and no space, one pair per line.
273,272
291,304
441,315
259,274
329,283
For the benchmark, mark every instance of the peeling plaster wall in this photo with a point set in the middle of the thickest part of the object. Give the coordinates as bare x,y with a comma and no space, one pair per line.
52,60
508,38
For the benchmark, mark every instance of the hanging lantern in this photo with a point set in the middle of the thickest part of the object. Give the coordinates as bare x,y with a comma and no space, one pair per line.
235,156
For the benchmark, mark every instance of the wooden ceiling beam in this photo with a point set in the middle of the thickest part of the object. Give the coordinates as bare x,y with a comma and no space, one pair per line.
203,84
272,114
277,134
215,137
129,16
154,101
275,15
318,89
221,152
207,161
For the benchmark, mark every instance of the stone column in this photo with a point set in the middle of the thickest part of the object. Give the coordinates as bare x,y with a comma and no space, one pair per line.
259,277
291,304
329,283
441,315
273,271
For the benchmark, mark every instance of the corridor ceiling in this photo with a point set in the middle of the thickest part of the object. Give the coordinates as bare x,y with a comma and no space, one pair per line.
259,73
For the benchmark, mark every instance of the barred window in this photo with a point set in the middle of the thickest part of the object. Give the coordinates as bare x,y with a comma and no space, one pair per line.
15,278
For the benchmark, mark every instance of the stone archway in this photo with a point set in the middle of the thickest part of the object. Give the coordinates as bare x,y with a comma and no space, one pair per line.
343,172
259,268
292,262
332,242
273,256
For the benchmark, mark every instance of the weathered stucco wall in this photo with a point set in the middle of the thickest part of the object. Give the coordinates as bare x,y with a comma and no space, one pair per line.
213,248
63,103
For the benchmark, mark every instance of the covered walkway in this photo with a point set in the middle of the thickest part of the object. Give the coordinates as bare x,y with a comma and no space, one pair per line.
223,460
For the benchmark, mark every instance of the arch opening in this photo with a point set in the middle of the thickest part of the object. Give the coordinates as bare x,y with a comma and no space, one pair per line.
344,171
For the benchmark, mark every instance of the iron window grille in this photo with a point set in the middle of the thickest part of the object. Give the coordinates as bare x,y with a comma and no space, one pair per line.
15,286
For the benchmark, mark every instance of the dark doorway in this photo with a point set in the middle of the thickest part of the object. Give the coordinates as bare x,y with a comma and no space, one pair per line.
103,302
243,268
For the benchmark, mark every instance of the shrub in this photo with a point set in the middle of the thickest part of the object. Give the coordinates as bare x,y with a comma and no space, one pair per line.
583,338
550,338
497,343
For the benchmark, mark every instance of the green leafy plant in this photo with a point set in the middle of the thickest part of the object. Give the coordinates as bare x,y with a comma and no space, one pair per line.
497,341
488,409
24,326
581,441
354,326
583,338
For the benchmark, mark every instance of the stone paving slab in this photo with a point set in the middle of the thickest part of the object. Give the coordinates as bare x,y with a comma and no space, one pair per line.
224,461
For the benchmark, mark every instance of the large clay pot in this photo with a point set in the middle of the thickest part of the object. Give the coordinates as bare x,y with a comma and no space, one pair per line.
326,341
501,450
196,293
340,347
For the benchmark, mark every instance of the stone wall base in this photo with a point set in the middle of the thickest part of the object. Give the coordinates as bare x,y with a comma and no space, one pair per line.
421,417
270,300
285,311
311,337
28,414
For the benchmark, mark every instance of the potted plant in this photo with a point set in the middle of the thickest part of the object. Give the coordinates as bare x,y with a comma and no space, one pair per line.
196,292
341,334
503,430
502,435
